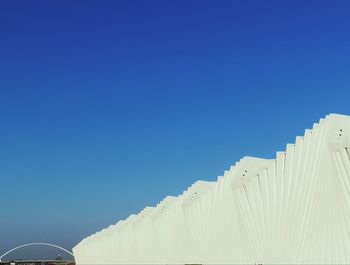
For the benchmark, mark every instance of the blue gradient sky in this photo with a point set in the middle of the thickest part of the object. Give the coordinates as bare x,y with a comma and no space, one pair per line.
109,106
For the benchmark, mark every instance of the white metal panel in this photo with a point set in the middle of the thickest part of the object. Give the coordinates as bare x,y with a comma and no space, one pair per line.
288,210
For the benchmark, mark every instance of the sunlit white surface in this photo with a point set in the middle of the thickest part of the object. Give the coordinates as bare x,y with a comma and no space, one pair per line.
291,209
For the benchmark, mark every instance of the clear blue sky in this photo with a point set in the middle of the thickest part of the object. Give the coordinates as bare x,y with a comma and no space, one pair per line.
109,106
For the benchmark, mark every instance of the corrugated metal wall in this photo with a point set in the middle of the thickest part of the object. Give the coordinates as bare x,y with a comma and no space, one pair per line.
292,209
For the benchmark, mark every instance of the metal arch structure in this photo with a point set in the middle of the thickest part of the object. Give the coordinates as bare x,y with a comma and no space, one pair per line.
36,244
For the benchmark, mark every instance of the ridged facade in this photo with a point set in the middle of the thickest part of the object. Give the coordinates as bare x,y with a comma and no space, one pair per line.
291,209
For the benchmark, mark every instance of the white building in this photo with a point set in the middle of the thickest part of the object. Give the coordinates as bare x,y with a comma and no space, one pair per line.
291,209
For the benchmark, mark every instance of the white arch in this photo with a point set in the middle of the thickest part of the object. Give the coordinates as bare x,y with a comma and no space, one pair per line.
36,244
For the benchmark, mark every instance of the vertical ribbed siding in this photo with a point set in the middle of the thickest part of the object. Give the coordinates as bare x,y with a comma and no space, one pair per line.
288,210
